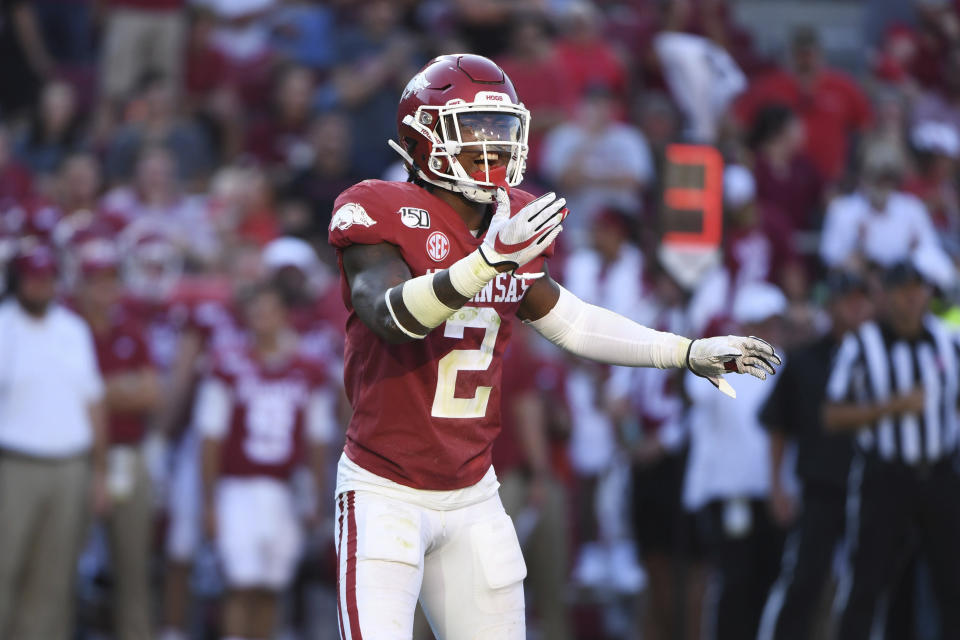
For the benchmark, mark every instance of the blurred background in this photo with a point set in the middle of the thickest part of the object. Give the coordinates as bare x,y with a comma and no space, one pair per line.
157,157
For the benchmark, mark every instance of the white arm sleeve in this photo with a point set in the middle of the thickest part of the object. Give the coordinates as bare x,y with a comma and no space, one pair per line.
321,417
604,336
213,409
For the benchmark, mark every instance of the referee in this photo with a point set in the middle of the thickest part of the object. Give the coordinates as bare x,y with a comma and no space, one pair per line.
793,411
895,383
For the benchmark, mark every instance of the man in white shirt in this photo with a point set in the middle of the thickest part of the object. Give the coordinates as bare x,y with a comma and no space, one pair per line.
52,448
876,224
598,162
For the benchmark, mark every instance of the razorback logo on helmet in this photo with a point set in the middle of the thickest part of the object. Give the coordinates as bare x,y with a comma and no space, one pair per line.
414,218
349,215
438,246
418,82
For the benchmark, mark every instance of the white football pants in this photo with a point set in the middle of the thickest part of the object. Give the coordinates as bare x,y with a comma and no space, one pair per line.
464,564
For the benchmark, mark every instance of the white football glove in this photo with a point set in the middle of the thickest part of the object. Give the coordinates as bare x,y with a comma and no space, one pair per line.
516,240
713,357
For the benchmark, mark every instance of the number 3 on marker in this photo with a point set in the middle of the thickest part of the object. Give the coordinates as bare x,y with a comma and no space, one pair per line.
691,192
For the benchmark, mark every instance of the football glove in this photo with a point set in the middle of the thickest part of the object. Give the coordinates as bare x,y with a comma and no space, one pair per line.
518,239
712,357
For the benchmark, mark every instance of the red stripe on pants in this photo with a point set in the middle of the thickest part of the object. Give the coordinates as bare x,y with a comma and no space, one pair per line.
343,632
352,610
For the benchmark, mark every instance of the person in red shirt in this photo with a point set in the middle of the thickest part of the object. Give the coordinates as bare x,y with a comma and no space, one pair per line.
587,57
262,411
132,393
540,75
785,176
832,106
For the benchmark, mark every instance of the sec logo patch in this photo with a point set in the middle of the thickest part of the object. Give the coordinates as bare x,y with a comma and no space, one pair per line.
438,246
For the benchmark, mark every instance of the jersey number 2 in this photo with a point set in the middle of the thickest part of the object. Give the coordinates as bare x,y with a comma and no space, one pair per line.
445,404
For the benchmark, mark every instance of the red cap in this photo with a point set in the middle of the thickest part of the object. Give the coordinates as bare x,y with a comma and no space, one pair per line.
97,255
37,260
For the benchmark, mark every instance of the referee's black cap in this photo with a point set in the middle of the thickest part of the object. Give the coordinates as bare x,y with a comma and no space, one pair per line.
841,282
902,273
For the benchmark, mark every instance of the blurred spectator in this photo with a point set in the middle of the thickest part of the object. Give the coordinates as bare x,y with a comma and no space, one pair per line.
77,191
278,140
586,57
832,106
756,240
68,30
240,37
937,149
728,476
153,121
242,207
52,450
16,181
484,25
786,179
330,172
597,162
531,491
155,198
793,416
26,61
54,131
261,412
608,273
942,105
311,294
141,37
304,32
540,77
701,75
877,224
132,391
375,59
649,408
659,122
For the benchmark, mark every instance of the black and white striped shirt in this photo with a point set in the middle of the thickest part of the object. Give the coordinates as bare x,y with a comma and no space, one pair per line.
873,364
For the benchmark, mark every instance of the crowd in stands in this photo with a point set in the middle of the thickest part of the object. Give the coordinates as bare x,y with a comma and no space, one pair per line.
168,170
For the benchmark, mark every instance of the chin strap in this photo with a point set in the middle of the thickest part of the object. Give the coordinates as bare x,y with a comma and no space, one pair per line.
449,186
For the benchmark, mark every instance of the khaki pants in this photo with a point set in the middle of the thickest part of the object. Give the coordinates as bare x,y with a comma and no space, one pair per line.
546,551
129,531
137,41
43,515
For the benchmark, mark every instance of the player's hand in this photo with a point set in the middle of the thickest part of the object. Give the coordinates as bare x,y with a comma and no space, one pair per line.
511,242
911,402
732,354
712,357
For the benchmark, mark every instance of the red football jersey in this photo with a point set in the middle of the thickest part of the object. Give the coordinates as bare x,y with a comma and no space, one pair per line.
425,413
267,433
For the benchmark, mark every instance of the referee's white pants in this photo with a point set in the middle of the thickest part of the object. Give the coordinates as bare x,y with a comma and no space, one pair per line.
465,565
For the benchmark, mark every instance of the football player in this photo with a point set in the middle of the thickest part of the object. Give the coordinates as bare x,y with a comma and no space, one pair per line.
433,268
263,410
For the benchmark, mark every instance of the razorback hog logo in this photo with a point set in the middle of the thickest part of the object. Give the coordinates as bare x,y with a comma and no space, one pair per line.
438,246
349,215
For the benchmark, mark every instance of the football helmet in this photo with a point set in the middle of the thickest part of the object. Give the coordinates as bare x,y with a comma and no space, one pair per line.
463,104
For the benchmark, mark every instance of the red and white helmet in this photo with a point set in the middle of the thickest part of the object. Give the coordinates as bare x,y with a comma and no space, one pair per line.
462,103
